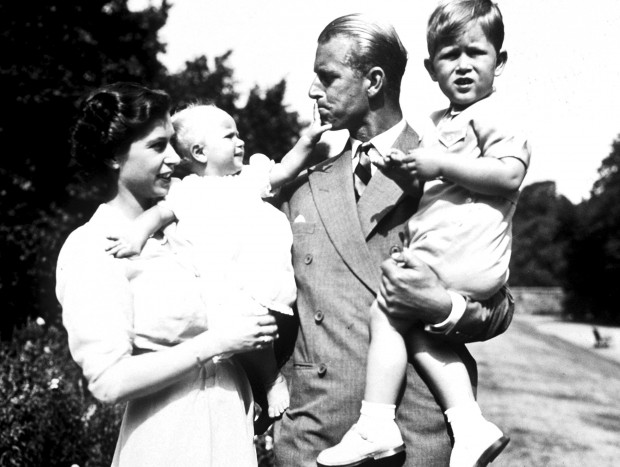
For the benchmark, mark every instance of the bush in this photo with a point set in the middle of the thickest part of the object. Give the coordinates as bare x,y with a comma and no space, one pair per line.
47,417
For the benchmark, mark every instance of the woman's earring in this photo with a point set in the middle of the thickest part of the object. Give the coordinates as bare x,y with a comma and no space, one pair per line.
111,163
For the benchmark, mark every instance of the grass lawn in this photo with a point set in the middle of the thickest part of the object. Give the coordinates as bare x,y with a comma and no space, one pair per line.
559,402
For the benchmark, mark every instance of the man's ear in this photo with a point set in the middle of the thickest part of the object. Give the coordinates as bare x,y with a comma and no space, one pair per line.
502,58
376,78
428,64
198,153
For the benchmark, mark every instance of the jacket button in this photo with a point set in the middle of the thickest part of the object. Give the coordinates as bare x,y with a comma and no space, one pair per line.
318,317
395,249
322,370
308,259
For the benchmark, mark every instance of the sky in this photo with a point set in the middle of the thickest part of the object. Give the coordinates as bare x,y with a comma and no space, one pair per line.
562,79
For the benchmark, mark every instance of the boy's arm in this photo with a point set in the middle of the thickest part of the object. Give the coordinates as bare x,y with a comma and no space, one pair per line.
294,161
145,225
484,175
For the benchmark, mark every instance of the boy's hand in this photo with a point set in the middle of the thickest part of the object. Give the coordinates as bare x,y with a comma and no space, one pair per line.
427,163
123,246
398,166
314,132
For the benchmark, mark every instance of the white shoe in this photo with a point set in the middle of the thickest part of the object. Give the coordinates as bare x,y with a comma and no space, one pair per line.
484,444
356,447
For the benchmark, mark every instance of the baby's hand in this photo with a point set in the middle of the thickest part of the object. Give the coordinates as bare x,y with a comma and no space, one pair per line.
123,246
316,129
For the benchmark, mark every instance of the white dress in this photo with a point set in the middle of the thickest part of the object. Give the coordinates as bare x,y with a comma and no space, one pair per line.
243,243
115,307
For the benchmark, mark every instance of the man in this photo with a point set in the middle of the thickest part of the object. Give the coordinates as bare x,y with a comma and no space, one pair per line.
342,246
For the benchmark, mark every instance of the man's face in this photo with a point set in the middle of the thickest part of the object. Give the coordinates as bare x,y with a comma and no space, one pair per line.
338,89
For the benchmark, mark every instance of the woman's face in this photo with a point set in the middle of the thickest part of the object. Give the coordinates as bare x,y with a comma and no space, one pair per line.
145,170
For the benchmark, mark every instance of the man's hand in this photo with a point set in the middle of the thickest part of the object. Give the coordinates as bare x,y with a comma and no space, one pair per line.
410,290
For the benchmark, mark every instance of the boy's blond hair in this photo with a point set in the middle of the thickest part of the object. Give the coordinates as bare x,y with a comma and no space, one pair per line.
452,18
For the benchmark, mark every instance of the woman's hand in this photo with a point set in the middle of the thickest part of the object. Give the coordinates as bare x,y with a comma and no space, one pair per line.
244,333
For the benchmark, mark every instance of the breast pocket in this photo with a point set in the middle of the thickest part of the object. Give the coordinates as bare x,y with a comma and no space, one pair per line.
302,228
452,137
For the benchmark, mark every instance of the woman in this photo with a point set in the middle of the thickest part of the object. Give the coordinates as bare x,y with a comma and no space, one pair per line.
138,327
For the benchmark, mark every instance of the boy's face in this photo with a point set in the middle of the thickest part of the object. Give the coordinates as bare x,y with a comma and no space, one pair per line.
223,148
465,68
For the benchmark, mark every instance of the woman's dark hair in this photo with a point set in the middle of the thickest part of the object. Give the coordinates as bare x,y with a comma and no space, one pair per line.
110,119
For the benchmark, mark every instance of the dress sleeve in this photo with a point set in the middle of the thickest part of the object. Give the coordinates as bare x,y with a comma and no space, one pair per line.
258,172
97,304
175,196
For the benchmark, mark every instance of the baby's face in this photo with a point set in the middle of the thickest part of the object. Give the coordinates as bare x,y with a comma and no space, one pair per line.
465,68
222,145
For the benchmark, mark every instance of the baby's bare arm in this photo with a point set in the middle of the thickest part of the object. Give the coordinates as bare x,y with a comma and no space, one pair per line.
131,242
294,161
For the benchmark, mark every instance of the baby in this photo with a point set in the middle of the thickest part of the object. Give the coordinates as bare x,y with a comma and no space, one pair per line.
473,170
242,243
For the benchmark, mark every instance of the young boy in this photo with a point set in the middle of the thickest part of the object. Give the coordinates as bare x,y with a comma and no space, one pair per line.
241,244
473,172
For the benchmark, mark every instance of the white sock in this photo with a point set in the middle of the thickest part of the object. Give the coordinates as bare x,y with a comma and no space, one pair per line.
372,413
462,417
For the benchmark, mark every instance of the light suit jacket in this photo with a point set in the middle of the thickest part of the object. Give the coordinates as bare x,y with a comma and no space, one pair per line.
337,250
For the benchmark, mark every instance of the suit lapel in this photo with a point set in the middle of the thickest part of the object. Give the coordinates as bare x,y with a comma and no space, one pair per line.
332,190
382,194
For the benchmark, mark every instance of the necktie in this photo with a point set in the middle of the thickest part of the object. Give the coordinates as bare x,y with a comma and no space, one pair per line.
362,173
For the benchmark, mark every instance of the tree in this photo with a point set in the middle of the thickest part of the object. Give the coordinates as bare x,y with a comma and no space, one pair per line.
53,53
264,123
593,272
542,227
198,82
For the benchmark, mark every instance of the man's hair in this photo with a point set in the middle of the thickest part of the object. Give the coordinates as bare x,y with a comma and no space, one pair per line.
189,127
377,44
452,18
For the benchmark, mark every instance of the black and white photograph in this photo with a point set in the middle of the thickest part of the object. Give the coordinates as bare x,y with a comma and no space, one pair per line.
310,234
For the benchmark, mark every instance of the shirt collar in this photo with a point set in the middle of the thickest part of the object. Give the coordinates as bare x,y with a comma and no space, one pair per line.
382,142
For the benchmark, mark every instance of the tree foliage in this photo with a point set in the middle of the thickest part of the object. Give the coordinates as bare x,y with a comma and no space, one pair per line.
593,255
542,227
54,52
